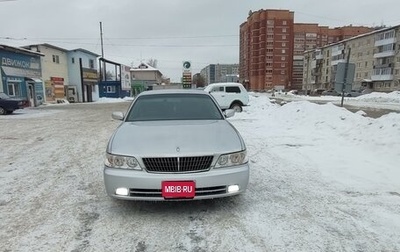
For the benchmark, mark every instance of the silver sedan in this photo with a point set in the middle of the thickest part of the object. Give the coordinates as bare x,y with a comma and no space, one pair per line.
175,145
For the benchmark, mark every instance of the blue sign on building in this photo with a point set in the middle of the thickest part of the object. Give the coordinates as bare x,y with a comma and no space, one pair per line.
20,74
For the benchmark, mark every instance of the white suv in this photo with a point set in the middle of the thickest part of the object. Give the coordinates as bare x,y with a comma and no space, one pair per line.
229,95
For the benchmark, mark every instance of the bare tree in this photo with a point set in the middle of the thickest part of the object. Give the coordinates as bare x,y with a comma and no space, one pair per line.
152,62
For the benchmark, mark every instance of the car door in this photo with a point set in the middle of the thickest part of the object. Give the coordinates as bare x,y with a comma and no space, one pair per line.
219,94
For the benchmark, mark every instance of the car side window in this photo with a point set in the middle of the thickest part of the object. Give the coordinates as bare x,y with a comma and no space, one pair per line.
217,89
232,89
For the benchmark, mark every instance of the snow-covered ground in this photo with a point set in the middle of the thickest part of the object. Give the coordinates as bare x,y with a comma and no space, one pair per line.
373,100
322,179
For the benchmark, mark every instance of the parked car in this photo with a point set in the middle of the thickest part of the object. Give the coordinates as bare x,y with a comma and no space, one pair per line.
353,93
317,91
331,93
230,95
8,105
174,145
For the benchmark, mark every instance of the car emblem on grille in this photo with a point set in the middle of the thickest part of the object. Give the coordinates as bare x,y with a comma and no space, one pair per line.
178,149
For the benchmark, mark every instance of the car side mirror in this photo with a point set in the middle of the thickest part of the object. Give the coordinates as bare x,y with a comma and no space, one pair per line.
229,113
118,116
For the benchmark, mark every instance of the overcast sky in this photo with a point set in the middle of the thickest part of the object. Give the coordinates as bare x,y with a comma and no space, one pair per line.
171,31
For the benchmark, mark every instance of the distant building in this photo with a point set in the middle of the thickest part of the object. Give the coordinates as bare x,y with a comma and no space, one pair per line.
54,69
272,47
144,77
311,36
21,74
266,49
83,89
219,72
375,55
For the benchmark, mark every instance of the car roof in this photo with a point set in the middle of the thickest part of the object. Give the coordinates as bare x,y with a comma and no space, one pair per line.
225,84
173,91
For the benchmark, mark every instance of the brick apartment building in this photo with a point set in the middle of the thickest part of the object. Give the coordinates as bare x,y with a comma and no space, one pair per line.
272,47
266,49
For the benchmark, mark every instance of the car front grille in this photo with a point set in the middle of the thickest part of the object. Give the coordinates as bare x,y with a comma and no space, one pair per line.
178,164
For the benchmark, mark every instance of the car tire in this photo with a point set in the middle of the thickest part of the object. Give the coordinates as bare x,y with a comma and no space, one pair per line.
9,112
3,111
237,107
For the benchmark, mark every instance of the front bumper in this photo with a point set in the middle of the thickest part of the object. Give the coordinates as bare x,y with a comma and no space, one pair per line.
147,186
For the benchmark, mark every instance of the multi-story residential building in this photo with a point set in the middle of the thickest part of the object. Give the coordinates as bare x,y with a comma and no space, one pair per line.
54,69
219,73
266,49
375,55
83,77
311,36
272,47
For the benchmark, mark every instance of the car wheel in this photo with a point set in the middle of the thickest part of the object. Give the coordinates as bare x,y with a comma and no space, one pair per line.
2,111
9,112
349,95
237,107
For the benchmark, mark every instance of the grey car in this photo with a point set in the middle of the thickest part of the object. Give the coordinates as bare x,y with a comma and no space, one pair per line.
175,145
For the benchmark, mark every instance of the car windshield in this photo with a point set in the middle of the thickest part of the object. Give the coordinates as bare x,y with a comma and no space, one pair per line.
174,107
4,96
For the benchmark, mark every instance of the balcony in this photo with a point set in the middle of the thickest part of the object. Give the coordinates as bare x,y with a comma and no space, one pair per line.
385,54
385,41
382,74
335,62
337,50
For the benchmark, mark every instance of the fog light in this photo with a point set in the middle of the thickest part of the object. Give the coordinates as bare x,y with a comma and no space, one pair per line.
233,188
122,191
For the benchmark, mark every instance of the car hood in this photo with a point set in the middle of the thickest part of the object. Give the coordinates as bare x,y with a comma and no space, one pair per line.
172,138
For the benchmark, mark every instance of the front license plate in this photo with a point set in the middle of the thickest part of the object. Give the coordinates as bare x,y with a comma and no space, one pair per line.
178,189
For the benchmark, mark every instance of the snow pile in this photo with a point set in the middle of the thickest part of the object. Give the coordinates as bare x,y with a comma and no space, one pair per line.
342,145
114,100
378,97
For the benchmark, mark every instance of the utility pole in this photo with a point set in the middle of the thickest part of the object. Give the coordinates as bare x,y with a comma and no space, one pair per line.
103,73
308,68
101,38
346,69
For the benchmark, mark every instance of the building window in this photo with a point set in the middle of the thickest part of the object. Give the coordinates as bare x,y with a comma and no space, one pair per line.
284,22
283,51
283,36
111,89
282,64
13,89
283,58
91,64
73,60
284,30
56,59
283,44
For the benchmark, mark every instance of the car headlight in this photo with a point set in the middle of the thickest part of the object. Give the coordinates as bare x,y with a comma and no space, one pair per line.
121,162
232,159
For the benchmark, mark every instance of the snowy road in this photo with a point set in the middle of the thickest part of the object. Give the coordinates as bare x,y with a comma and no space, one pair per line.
317,184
